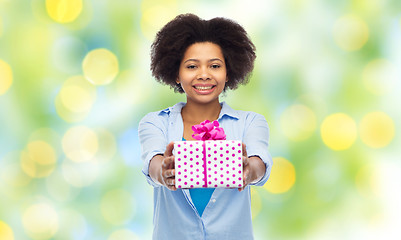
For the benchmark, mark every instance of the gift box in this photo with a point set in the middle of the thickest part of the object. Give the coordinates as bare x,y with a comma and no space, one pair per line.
208,164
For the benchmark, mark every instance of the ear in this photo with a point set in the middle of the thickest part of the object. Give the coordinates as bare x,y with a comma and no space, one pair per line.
177,81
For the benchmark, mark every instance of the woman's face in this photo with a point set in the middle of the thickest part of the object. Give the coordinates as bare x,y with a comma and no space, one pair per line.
202,72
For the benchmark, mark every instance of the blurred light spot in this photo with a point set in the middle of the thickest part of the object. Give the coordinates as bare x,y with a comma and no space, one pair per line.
67,53
72,226
59,188
75,99
351,33
38,159
6,77
77,95
6,233
366,181
377,129
66,114
80,174
123,234
100,66
165,12
338,131
107,145
11,173
298,122
48,135
40,221
256,205
380,76
80,143
117,206
282,176
64,11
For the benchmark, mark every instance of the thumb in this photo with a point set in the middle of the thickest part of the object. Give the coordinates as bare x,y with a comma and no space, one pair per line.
169,150
244,153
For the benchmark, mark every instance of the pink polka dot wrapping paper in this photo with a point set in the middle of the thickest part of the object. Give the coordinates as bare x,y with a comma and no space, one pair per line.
208,164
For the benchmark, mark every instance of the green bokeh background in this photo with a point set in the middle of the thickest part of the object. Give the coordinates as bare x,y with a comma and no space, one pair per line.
347,194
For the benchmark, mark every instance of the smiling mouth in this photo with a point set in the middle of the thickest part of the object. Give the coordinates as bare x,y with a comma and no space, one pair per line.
204,88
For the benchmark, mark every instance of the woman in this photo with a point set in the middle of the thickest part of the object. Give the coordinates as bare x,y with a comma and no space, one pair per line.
202,59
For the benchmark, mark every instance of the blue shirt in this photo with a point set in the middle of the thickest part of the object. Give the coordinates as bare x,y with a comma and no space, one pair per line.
228,213
200,196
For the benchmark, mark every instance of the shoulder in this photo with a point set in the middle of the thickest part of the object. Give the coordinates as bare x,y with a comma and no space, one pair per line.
161,117
246,116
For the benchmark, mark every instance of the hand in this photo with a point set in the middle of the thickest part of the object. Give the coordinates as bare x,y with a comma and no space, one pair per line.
167,170
253,168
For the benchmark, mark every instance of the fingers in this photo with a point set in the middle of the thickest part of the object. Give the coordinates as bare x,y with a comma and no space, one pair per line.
168,172
245,161
244,153
246,172
168,163
169,150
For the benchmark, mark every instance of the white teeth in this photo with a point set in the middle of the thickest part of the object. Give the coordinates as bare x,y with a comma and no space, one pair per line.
203,88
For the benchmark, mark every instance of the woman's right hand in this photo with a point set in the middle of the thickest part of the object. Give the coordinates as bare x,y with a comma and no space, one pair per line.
162,169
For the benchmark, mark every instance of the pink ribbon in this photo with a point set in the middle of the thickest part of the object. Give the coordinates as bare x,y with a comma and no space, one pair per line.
207,130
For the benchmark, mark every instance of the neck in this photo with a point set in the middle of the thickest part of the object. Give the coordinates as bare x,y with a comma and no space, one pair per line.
196,113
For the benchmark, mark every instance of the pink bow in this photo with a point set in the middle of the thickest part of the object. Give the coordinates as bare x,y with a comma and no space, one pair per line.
207,130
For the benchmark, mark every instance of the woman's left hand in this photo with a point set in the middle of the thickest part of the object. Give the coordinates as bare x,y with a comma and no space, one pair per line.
253,168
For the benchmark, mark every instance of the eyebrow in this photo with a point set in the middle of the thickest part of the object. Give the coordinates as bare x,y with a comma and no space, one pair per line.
197,60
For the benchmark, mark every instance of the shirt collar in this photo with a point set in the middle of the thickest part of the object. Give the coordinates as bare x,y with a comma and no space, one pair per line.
225,110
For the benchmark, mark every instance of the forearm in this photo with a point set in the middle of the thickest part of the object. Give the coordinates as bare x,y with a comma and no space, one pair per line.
257,167
155,167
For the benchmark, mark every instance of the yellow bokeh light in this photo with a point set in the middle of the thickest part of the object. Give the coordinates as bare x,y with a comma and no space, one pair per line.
123,234
282,176
377,129
80,143
64,11
80,174
298,122
75,99
351,33
6,233
40,221
165,12
338,131
6,77
39,159
256,205
380,76
117,206
66,114
100,66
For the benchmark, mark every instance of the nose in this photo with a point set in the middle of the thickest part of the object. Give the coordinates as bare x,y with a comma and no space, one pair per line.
203,74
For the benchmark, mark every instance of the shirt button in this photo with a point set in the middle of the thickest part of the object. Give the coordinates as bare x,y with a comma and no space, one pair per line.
214,200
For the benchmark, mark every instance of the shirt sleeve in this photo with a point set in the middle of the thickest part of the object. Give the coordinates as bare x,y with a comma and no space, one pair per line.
257,142
153,140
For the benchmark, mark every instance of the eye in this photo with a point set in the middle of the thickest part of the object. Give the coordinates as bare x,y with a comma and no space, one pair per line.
191,66
215,66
